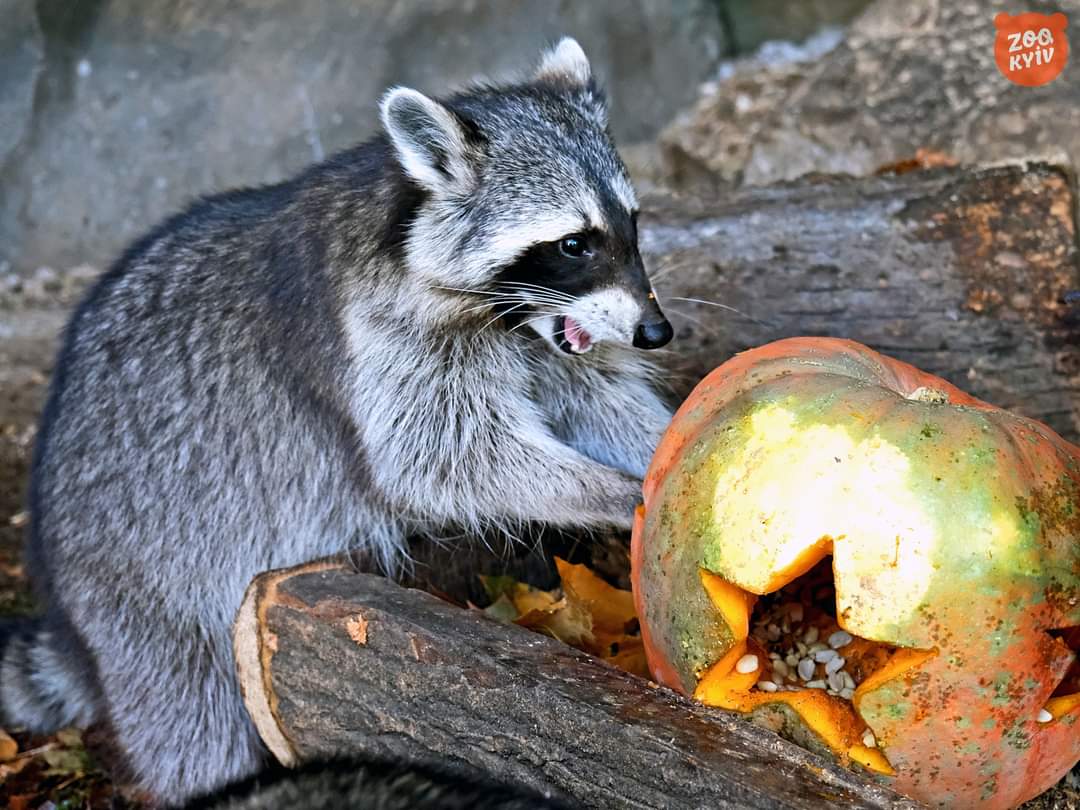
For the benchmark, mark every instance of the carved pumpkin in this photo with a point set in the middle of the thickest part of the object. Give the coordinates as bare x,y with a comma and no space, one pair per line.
874,563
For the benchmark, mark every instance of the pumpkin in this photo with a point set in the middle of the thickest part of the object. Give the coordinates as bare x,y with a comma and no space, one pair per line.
873,563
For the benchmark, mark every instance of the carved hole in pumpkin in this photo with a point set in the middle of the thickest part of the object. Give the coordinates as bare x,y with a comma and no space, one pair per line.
796,626
1066,696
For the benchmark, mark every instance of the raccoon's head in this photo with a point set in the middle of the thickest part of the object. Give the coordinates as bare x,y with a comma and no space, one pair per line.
527,207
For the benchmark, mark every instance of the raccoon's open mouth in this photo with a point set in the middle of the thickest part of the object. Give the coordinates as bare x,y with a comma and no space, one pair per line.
570,336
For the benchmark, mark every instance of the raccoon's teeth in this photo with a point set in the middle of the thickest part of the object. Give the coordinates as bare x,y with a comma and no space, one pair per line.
576,336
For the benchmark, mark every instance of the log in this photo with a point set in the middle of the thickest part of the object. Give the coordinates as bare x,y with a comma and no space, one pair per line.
336,662
961,272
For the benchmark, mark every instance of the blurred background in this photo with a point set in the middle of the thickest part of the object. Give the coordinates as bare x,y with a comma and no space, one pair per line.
113,113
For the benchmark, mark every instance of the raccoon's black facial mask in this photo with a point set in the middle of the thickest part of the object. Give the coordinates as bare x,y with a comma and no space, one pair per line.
552,276
586,287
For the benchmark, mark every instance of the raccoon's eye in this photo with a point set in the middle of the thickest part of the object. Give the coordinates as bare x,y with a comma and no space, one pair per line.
573,246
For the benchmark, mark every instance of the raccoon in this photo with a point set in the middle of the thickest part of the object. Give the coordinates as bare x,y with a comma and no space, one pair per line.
375,785
438,331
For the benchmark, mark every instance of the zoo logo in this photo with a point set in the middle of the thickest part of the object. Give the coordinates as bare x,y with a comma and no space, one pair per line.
1031,49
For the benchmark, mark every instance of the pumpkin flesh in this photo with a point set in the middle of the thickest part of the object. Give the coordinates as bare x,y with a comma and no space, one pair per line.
953,530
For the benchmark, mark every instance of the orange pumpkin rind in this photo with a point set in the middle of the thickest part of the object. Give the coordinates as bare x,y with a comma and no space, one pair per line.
954,530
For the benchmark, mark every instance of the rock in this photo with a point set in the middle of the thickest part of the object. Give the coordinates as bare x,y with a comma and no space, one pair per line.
907,76
21,60
144,104
753,22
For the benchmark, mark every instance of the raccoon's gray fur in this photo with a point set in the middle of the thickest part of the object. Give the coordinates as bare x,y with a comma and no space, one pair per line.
375,785
429,333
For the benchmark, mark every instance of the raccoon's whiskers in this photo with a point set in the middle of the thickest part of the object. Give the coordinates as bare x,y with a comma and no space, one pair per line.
528,321
739,312
511,296
499,316
540,300
487,305
545,291
667,269
485,293
679,313
461,290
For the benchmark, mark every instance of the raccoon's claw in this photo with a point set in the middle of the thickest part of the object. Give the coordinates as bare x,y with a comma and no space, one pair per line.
571,336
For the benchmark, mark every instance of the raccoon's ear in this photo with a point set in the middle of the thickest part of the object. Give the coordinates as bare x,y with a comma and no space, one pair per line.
431,142
566,61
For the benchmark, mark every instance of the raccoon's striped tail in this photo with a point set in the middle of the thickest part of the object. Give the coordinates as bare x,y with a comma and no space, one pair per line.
44,680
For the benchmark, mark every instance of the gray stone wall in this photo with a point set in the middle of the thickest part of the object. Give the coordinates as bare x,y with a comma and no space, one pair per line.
114,113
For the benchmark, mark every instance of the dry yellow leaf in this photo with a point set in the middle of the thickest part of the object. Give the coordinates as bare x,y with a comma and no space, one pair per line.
586,613
8,747
612,609
357,627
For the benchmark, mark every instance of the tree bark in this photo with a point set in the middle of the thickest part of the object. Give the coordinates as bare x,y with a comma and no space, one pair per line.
335,662
960,272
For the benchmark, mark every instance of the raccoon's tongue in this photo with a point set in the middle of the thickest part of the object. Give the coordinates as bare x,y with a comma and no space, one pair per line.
576,336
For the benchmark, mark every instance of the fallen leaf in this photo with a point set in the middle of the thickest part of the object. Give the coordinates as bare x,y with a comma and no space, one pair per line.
8,747
628,654
923,159
566,619
65,762
528,599
502,609
585,612
356,627
496,587
70,737
11,768
612,609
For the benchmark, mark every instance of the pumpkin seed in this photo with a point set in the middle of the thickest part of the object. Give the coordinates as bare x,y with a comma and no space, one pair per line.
747,664
841,638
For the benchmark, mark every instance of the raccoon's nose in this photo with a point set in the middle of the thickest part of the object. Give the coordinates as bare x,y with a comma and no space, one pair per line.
653,335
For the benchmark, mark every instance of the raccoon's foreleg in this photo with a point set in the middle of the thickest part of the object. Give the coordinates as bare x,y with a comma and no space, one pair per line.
529,477
618,425
554,483
628,438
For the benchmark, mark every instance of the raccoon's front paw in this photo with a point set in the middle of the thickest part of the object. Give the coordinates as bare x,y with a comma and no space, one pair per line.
624,502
